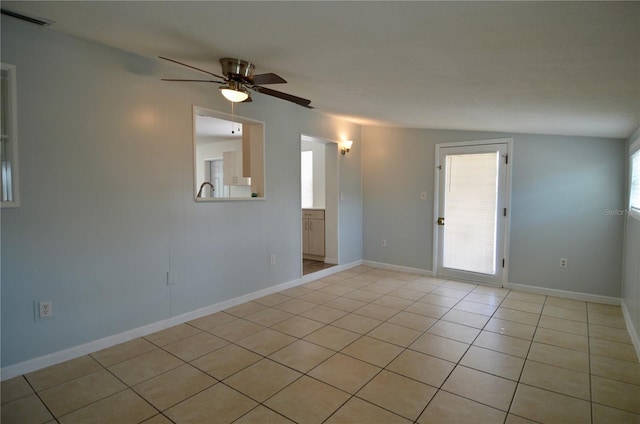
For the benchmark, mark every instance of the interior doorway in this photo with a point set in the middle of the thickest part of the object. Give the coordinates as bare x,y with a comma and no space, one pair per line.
318,203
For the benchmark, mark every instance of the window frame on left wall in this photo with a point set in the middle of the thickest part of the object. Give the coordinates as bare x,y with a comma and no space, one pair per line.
9,180
634,183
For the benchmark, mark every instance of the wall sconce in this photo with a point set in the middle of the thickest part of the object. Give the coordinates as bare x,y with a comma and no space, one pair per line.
346,146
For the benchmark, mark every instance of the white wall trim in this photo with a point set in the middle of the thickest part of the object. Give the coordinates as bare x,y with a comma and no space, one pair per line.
106,342
109,341
633,332
398,268
564,293
332,195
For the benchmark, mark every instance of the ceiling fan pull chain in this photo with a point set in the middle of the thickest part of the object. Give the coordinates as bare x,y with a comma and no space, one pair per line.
232,118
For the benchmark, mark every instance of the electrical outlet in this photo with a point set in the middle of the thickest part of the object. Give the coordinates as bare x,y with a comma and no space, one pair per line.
272,259
384,243
423,195
563,262
45,309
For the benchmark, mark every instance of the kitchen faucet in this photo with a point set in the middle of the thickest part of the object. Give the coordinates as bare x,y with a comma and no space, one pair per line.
202,187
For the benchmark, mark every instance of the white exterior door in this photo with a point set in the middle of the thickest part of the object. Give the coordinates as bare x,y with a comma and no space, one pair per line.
472,211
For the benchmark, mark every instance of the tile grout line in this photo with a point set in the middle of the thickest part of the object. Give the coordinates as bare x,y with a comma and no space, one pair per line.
457,364
360,336
526,358
35,392
405,348
589,365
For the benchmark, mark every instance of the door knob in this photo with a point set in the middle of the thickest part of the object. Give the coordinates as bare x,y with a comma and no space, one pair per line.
440,221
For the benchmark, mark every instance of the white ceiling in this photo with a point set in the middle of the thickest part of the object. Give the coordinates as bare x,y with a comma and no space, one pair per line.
570,68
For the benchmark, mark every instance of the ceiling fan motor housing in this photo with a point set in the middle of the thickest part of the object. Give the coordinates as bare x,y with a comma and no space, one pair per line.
236,67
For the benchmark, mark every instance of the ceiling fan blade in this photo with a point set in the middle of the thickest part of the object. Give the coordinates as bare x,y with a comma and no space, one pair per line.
284,96
262,79
192,80
189,66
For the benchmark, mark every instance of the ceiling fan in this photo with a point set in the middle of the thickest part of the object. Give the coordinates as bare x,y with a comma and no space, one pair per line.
238,78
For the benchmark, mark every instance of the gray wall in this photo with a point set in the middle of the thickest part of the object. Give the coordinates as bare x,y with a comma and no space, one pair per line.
107,208
561,187
107,197
631,271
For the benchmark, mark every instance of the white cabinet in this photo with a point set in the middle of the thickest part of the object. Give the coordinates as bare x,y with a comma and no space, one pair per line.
232,169
313,233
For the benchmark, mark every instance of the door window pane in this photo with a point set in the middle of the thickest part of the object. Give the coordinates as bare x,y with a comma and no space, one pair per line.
470,212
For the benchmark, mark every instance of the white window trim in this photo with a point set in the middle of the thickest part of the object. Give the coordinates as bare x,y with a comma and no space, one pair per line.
13,134
634,149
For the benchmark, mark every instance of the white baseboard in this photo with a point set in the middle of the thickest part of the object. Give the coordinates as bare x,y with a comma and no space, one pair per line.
106,342
564,293
399,268
633,331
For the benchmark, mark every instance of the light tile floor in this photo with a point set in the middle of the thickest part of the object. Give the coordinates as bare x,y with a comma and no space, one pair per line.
309,266
366,346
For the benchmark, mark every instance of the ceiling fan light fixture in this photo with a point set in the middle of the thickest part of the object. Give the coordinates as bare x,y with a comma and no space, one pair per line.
234,92
234,95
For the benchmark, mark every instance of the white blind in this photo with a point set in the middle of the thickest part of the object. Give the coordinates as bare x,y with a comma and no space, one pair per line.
470,212
6,172
635,181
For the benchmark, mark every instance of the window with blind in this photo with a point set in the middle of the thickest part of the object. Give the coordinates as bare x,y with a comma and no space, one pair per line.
634,197
8,138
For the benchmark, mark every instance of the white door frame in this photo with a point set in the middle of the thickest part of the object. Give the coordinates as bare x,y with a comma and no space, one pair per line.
436,201
332,201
